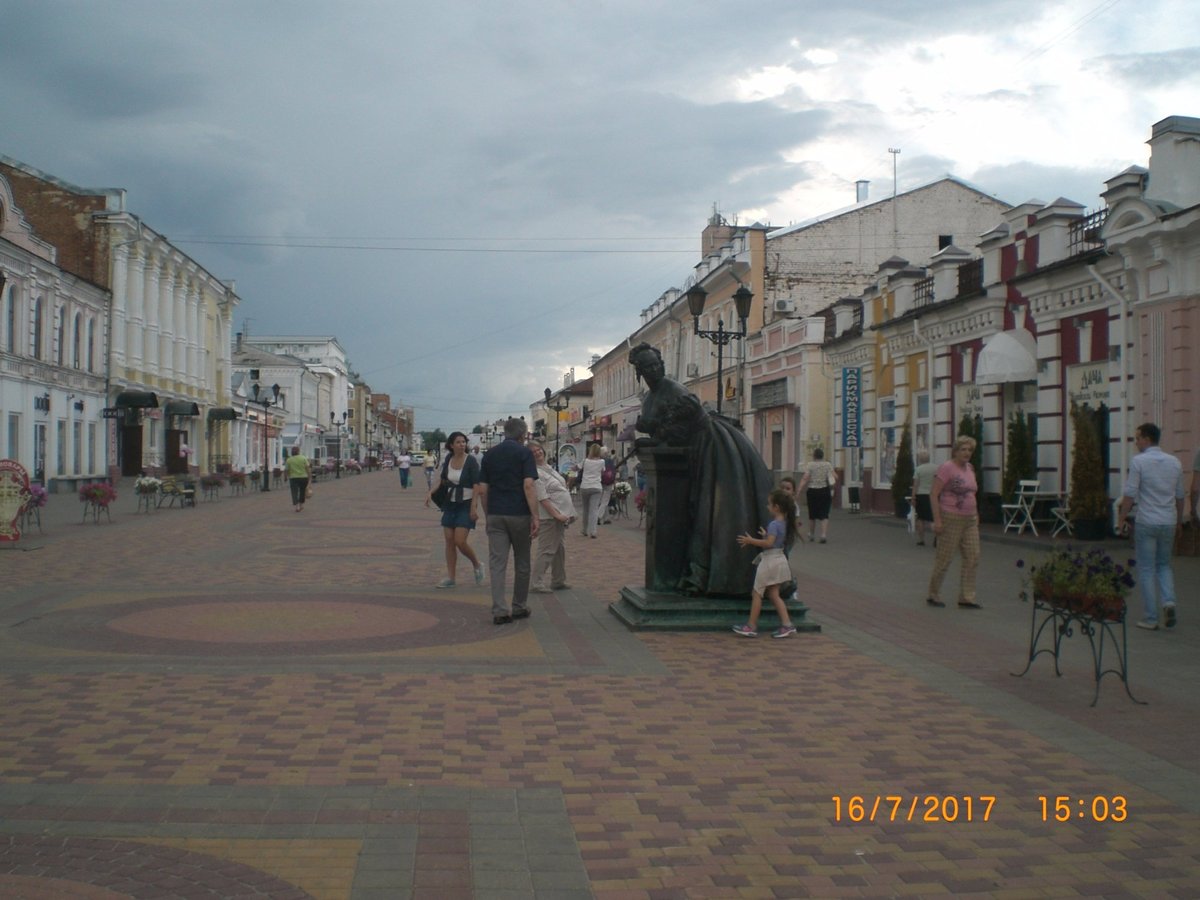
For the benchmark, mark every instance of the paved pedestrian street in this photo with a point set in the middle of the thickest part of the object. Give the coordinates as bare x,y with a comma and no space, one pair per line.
238,700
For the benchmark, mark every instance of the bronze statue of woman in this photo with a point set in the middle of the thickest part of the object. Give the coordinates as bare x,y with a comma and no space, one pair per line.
728,485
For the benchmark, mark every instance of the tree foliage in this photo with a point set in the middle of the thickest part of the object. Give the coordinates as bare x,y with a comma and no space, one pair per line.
1089,494
1020,462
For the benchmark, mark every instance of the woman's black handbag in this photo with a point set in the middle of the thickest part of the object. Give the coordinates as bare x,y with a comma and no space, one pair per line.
441,497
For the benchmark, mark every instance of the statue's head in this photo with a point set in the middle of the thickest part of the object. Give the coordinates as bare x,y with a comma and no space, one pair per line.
647,361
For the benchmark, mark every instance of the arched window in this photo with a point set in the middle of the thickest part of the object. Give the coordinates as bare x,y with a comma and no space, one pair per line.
9,296
76,340
60,335
35,349
91,345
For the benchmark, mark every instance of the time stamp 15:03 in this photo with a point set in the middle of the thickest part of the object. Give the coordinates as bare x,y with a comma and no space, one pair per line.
967,808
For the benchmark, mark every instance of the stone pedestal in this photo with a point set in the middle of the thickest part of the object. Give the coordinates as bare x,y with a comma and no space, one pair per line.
657,606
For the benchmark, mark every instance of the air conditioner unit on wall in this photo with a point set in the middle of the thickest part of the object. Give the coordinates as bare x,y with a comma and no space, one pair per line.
785,305
693,370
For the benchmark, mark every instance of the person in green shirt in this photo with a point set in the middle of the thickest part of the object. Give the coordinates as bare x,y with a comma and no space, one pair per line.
298,473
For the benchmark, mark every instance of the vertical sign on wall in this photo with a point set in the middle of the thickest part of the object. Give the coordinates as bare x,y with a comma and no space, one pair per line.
851,407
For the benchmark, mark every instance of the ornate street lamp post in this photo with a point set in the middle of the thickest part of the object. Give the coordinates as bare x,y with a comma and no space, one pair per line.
742,297
560,404
266,401
339,425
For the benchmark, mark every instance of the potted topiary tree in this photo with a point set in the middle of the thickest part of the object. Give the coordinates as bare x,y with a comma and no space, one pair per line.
1019,461
902,478
1088,501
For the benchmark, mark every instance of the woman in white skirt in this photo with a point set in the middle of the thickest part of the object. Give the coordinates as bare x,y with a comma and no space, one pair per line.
773,569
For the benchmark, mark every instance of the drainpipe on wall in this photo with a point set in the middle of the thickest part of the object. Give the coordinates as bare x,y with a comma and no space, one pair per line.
1124,373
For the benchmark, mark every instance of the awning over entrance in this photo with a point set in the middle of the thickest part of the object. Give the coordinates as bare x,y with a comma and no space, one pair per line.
1007,356
136,400
181,408
222,414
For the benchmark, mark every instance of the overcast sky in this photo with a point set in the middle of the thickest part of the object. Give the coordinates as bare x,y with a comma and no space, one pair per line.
475,197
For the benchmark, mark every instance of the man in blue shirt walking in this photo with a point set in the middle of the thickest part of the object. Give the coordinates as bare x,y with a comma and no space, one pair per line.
509,499
1155,482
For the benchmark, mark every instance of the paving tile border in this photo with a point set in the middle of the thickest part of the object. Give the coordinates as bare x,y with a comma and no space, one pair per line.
470,842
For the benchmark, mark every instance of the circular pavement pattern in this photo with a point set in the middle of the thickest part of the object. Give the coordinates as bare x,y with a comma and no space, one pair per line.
264,625
100,869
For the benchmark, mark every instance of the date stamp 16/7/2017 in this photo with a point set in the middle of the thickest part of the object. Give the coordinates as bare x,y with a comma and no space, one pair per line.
971,808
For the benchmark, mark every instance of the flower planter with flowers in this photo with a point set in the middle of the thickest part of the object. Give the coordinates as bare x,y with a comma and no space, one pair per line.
97,497
211,484
1074,589
147,487
237,483
31,510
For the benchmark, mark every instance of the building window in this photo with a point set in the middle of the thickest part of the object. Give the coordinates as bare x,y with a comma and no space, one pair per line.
91,449
61,454
14,436
77,340
35,349
91,345
60,336
886,443
254,376
945,240
77,449
10,316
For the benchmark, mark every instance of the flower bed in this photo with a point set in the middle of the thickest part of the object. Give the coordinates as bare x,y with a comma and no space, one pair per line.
99,493
147,484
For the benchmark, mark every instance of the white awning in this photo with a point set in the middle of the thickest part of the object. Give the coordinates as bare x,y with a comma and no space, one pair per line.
1007,356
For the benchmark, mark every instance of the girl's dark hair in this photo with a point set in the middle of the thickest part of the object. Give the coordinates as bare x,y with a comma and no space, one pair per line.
453,435
783,501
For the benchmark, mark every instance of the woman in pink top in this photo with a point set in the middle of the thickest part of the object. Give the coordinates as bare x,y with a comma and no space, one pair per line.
956,522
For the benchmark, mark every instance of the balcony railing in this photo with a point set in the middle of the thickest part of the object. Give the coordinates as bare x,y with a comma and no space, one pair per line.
1084,235
970,278
923,292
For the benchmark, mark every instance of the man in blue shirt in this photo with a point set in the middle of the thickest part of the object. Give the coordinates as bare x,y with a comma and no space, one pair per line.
1155,482
509,500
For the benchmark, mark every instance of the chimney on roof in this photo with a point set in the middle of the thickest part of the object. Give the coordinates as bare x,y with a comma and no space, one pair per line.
717,233
1174,161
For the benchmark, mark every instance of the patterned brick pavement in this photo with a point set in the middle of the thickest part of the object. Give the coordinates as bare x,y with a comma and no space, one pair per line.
239,700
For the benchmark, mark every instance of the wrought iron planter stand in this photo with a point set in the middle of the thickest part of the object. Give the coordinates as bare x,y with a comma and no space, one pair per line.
1060,622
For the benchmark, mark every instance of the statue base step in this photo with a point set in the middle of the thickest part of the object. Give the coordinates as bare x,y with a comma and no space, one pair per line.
643,610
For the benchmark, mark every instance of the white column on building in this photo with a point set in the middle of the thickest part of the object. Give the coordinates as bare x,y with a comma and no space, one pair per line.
120,286
152,300
136,321
168,285
195,337
184,288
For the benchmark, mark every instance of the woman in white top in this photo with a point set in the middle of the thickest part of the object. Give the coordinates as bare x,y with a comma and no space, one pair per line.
461,472
817,487
591,488
556,510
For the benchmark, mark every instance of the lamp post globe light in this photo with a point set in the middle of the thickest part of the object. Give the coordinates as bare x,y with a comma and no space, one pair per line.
742,298
339,424
265,401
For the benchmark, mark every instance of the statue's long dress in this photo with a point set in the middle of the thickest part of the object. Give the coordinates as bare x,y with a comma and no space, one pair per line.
729,488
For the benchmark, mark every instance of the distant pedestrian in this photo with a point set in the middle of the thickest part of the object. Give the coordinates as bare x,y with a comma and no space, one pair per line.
1155,483
591,488
556,510
460,513
404,463
773,569
431,464
817,486
956,523
921,490
509,498
608,479
299,471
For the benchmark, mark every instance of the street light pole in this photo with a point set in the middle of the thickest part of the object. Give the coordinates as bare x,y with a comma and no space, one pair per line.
266,401
742,297
559,405
334,423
